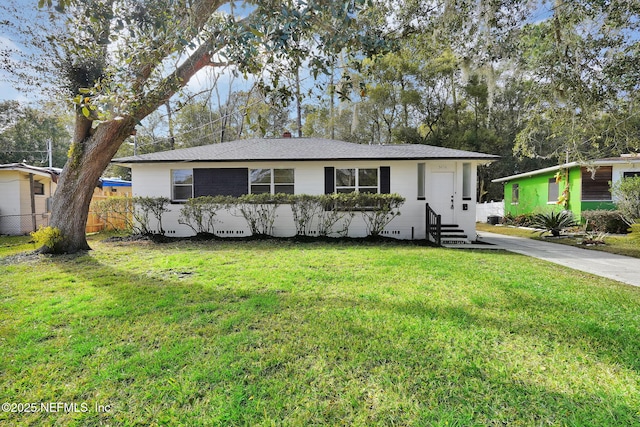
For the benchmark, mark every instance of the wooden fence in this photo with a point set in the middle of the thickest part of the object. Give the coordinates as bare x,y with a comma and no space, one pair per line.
95,223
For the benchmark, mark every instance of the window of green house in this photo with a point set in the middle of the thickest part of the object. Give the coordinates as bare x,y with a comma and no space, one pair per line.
553,191
595,184
515,193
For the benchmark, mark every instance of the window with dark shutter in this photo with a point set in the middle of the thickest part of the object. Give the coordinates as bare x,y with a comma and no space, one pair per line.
361,180
595,184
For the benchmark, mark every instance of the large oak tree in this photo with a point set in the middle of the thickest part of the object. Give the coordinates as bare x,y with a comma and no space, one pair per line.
120,60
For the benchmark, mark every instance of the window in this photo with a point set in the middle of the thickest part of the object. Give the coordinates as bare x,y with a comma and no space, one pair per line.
271,181
630,174
182,184
466,181
553,191
356,179
421,176
38,188
515,193
595,184
220,182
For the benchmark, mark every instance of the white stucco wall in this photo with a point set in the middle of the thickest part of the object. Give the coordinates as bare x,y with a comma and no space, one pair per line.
9,192
618,170
15,202
154,180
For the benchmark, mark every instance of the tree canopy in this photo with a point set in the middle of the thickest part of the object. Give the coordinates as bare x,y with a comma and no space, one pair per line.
26,132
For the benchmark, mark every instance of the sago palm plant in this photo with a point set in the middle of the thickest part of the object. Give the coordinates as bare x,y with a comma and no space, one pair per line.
554,222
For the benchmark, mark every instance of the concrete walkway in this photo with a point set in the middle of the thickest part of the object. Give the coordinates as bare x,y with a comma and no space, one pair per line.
617,267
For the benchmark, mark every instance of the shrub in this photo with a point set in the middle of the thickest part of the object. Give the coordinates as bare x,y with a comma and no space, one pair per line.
605,221
522,220
116,212
304,209
554,222
626,193
146,206
378,210
259,210
48,238
335,208
199,213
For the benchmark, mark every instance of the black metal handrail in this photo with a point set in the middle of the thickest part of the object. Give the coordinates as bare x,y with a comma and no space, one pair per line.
434,226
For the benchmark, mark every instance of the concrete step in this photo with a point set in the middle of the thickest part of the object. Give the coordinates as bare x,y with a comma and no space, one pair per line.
452,235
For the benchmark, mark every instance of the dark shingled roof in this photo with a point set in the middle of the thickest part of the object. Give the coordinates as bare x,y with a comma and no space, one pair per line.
301,149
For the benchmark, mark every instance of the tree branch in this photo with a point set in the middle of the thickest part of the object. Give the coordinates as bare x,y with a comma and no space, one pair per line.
197,18
199,59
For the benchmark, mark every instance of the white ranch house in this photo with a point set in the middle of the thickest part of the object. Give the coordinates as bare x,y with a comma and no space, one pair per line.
441,177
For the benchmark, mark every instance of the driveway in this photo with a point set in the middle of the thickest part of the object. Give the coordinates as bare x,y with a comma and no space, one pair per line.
617,267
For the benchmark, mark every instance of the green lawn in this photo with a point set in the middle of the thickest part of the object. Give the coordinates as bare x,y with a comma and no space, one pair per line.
299,334
14,244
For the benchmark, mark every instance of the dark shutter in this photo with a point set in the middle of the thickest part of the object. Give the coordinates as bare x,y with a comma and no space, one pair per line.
385,179
329,180
220,182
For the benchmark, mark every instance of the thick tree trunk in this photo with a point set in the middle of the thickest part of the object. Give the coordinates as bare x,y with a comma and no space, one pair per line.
87,160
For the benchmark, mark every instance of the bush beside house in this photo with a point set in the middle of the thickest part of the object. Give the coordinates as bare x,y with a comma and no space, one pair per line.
315,215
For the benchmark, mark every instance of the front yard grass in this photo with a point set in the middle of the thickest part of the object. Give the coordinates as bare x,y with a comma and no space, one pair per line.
614,244
302,334
15,244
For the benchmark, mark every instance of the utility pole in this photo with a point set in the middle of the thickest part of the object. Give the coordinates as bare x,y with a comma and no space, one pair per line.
50,152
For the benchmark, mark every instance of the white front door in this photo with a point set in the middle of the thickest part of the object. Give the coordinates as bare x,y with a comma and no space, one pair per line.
441,196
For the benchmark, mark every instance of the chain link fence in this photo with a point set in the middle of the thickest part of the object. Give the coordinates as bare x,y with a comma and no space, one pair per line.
16,225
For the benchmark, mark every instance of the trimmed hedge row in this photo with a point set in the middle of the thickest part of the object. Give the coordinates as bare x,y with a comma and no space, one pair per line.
320,215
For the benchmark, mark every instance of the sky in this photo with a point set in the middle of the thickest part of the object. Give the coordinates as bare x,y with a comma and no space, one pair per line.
7,91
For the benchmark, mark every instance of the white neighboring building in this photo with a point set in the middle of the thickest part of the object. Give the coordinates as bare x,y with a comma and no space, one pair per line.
25,193
441,177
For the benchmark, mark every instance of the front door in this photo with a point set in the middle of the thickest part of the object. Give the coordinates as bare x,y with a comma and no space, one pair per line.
441,196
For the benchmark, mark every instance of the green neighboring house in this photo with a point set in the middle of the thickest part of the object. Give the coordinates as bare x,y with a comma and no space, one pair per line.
575,186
